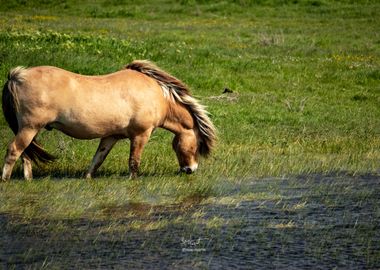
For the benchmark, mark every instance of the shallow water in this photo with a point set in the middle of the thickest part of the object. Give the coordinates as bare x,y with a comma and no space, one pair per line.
319,222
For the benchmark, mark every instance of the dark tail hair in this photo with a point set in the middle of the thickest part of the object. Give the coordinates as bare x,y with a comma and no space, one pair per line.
11,106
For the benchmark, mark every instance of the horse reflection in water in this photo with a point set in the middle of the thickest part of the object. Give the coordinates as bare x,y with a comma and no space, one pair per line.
130,103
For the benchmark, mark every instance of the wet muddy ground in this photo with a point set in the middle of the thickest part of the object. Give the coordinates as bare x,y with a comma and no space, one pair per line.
319,222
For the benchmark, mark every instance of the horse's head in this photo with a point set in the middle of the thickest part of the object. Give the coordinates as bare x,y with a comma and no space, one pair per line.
186,147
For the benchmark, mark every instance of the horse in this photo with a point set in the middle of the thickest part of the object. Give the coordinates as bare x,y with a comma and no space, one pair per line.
130,103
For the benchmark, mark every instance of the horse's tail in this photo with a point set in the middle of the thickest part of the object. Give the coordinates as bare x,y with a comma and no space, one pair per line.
11,107
179,92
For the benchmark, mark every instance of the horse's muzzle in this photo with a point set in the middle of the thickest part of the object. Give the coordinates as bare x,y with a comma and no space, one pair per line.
189,169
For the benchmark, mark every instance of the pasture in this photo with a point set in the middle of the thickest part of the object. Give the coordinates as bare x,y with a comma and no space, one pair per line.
294,179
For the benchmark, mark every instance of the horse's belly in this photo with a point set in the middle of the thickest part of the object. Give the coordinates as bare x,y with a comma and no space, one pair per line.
101,117
91,129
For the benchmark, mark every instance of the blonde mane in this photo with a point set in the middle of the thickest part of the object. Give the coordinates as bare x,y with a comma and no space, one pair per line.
177,91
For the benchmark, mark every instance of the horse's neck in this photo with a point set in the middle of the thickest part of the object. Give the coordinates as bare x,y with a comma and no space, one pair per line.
178,119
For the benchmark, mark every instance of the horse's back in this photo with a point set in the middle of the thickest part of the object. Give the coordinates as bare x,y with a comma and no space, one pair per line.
92,106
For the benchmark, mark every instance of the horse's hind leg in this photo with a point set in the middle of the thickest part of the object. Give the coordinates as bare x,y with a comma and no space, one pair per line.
27,166
104,148
22,140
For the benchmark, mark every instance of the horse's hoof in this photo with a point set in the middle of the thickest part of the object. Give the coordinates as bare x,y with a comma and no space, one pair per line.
132,176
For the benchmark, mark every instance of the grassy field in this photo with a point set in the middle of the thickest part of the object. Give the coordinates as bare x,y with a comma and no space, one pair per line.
305,76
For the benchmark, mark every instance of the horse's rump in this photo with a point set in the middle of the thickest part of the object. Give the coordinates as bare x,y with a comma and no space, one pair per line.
11,106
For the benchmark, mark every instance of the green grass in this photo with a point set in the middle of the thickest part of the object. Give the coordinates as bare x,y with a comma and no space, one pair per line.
305,77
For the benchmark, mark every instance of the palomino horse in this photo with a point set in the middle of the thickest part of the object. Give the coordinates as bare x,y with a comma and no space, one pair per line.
130,103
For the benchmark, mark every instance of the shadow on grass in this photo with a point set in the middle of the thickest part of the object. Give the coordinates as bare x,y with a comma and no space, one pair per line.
320,221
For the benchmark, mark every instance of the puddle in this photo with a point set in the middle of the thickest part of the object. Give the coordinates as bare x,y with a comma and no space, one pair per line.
319,222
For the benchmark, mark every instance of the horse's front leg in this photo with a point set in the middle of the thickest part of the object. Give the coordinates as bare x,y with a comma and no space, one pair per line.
137,146
104,148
